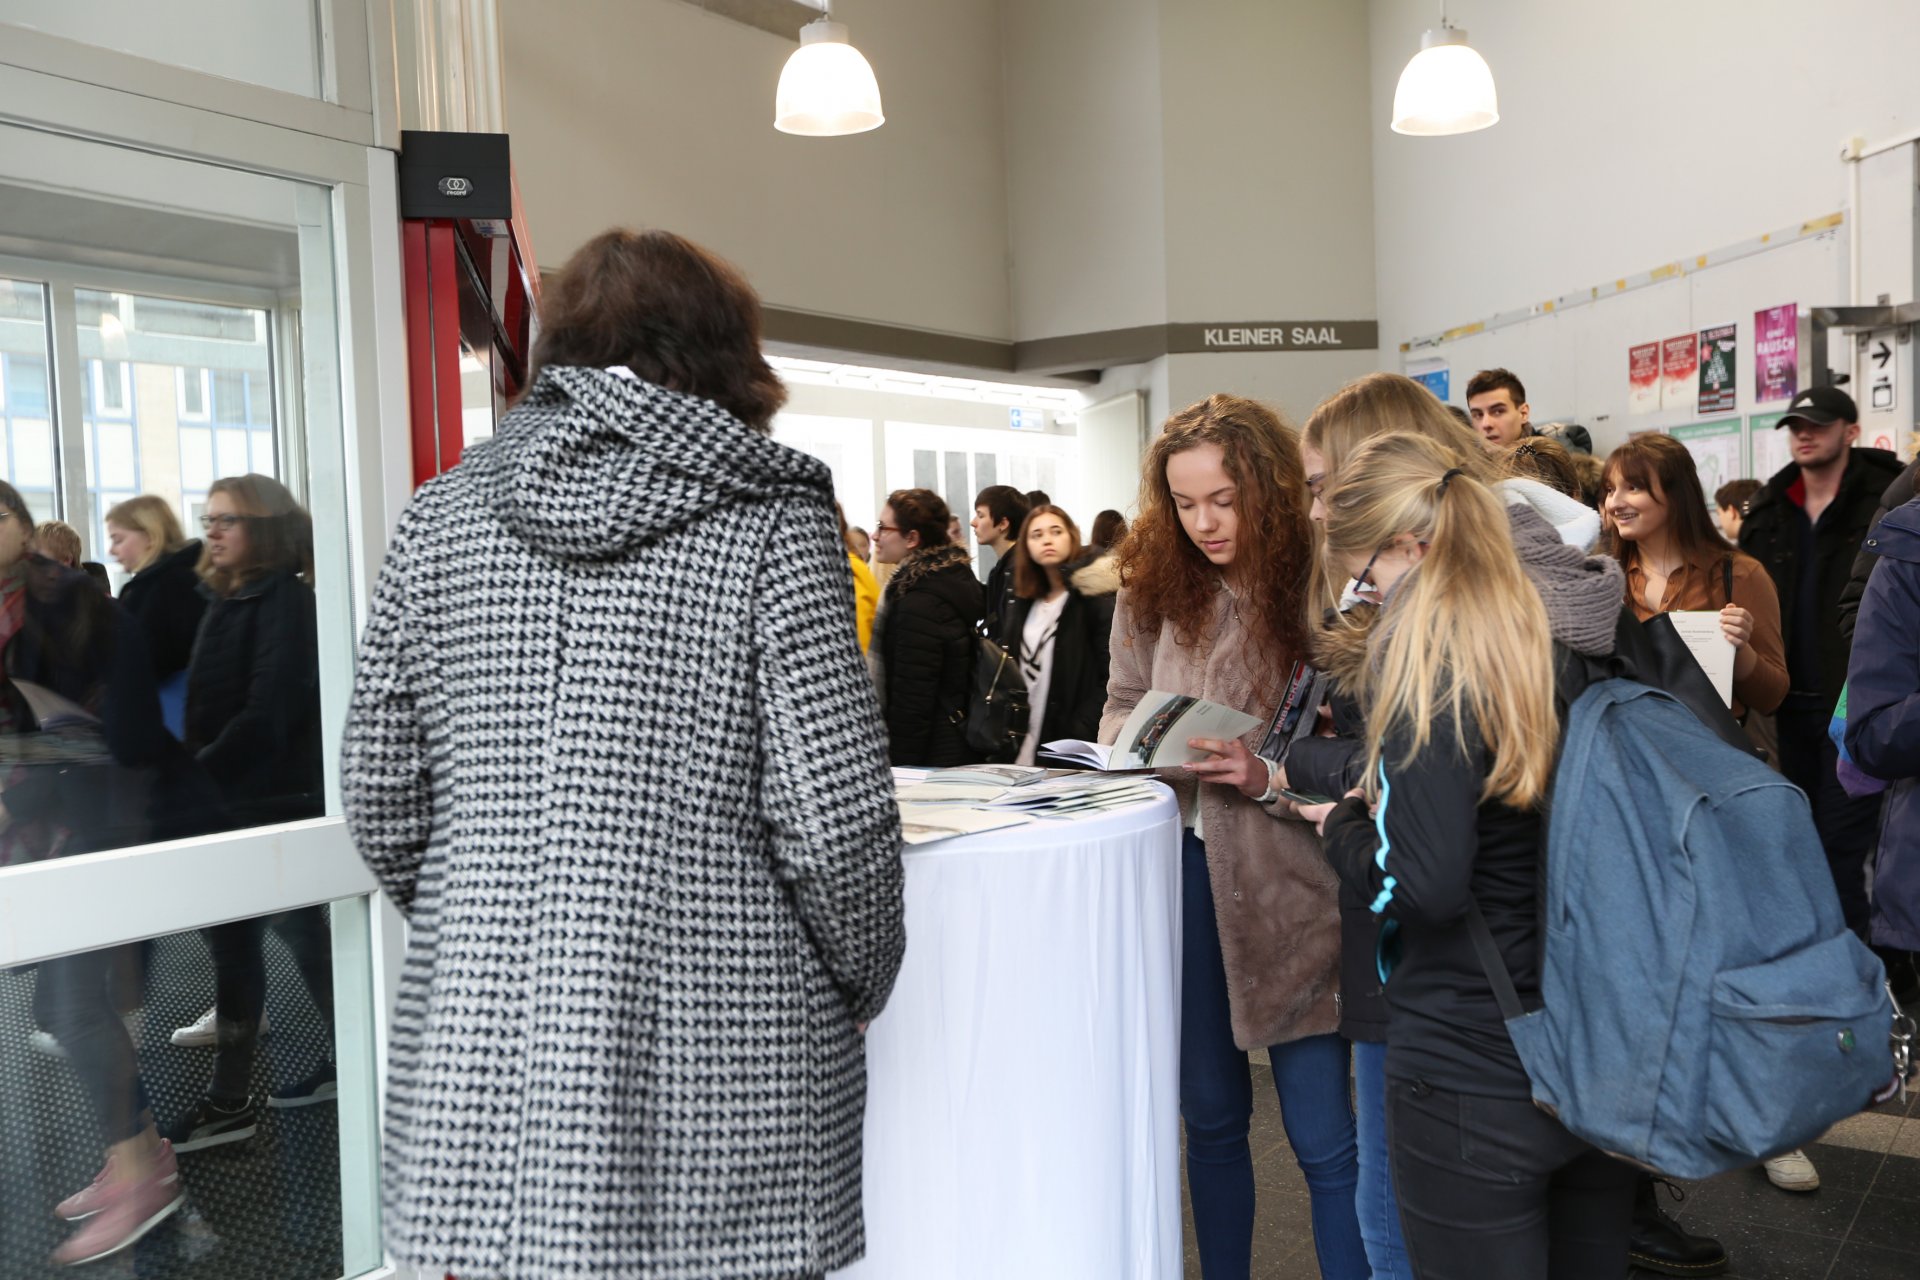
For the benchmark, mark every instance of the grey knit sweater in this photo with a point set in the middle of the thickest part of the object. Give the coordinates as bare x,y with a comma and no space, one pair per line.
1583,593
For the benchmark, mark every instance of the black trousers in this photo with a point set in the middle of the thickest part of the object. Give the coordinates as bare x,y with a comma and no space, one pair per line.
1496,1189
240,988
1848,827
76,998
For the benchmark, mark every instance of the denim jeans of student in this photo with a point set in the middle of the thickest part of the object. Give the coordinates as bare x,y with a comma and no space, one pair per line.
1216,1105
73,999
1379,1210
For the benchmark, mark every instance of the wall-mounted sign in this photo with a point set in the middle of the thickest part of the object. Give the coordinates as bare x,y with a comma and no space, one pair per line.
1769,451
1776,353
1679,362
1718,449
1027,419
1274,335
1435,374
1718,369
1643,378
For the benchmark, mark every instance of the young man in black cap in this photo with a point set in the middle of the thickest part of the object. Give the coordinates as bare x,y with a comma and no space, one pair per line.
1806,525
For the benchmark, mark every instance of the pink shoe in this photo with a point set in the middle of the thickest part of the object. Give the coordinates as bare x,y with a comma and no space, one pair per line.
121,1213
85,1203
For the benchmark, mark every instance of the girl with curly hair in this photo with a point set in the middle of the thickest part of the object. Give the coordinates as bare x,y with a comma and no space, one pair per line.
1214,579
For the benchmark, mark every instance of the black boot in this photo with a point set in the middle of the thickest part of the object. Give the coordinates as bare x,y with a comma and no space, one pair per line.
1660,1244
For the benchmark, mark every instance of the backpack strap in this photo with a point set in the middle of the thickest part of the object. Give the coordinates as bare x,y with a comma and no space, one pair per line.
1726,577
1496,968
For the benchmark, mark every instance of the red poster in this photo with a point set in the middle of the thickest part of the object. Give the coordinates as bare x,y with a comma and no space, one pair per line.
1643,378
1679,371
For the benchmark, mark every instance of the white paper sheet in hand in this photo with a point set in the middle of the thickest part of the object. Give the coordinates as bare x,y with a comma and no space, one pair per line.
1700,630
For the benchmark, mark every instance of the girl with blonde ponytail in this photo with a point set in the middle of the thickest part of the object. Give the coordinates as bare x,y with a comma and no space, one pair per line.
1464,725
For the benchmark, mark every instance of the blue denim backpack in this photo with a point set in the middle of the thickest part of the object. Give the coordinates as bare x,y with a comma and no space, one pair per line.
1703,1004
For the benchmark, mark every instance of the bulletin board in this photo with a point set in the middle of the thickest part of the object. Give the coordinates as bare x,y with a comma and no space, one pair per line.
1573,353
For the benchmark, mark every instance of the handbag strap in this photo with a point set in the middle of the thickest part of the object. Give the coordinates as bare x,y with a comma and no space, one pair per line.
1496,968
1726,577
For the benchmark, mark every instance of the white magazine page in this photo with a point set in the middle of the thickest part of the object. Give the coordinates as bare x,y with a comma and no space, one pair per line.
1155,735
1700,629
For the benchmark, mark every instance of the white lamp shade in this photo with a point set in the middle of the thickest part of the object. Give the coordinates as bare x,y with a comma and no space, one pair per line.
1446,88
827,87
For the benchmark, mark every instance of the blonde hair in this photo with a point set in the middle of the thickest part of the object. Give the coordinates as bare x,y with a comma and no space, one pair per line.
1466,633
150,515
1388,404
58,540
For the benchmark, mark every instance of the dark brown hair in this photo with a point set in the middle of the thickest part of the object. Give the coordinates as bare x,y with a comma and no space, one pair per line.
921,511
1548,461
1660,465
1497,380
12,502
672,312
1169,579
279,533
1030,581
1109,527
1004,502
1736,494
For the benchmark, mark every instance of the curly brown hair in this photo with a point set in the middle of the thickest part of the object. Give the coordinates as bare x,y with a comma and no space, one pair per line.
1169,579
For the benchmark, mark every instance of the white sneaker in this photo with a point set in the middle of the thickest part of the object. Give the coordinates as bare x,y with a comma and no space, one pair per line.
1793,1172
44,1042
202,1035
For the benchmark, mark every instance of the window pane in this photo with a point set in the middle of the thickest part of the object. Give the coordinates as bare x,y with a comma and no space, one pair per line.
196,459
89,1042
33,456
184,362
26,409
27,385
263,462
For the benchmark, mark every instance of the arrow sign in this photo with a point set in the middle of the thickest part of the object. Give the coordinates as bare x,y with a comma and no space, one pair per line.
1881,355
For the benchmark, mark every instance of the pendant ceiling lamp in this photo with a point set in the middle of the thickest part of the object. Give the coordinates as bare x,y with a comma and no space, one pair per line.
827,88
1446,88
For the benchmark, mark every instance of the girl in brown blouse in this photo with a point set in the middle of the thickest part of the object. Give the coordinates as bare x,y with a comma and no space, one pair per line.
1658,527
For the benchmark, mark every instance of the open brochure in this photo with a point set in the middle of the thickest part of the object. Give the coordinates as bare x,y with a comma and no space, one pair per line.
1700,631
925,823
1155,735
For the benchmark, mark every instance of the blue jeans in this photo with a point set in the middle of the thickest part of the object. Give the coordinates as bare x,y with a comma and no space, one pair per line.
1379,1210
1216,1105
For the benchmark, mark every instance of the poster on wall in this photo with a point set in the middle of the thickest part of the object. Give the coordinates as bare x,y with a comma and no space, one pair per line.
1435,375
1679,361
1643,378
1718,369
1770,450
1776,353
1718,450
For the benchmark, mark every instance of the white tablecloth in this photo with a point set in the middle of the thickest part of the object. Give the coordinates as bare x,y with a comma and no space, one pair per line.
1022,1083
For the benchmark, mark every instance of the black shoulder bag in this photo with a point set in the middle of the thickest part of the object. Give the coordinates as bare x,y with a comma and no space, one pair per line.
997,711
1660,658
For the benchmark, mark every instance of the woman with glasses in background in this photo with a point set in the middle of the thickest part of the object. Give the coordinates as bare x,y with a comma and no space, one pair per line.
253,723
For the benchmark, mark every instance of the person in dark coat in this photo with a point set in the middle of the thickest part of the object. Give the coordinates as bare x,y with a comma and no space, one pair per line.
253,723
923,636
632,799
1807,525
145,537
84,747
1058,629
1883,729
1898,494
999,511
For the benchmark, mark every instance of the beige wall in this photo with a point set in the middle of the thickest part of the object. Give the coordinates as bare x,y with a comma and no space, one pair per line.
1085,168
655,113
1632,133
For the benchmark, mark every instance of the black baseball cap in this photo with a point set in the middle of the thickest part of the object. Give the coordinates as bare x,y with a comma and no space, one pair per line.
1822,406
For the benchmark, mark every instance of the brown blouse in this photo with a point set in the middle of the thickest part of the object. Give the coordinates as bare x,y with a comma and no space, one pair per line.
1701,584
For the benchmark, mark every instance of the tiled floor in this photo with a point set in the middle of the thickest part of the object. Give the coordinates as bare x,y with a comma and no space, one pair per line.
1862,1224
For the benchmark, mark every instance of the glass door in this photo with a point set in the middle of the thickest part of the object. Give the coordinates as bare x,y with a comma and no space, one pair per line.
173,392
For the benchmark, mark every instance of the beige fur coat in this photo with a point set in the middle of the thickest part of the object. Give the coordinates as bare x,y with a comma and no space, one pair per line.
1274,895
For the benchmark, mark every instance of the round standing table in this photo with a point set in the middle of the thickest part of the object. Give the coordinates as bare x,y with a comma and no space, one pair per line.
1023,1082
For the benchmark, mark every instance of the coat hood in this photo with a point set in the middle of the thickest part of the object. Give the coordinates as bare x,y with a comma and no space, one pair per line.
1898,535
594,464
1577,524
1099,576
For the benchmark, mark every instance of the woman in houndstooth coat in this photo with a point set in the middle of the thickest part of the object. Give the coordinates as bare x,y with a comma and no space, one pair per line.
613,751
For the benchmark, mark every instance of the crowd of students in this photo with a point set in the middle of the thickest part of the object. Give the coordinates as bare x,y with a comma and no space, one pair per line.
188,706
681,926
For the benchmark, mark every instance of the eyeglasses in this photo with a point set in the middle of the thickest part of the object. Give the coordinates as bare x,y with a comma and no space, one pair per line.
887,528
225,523
1365,576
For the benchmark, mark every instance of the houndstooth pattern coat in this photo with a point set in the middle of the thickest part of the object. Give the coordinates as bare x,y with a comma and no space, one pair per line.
613,751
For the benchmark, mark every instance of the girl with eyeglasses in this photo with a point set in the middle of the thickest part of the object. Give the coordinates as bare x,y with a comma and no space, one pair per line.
253,723
1459,682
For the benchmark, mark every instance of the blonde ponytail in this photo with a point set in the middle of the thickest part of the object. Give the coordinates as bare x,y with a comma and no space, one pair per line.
1466,632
